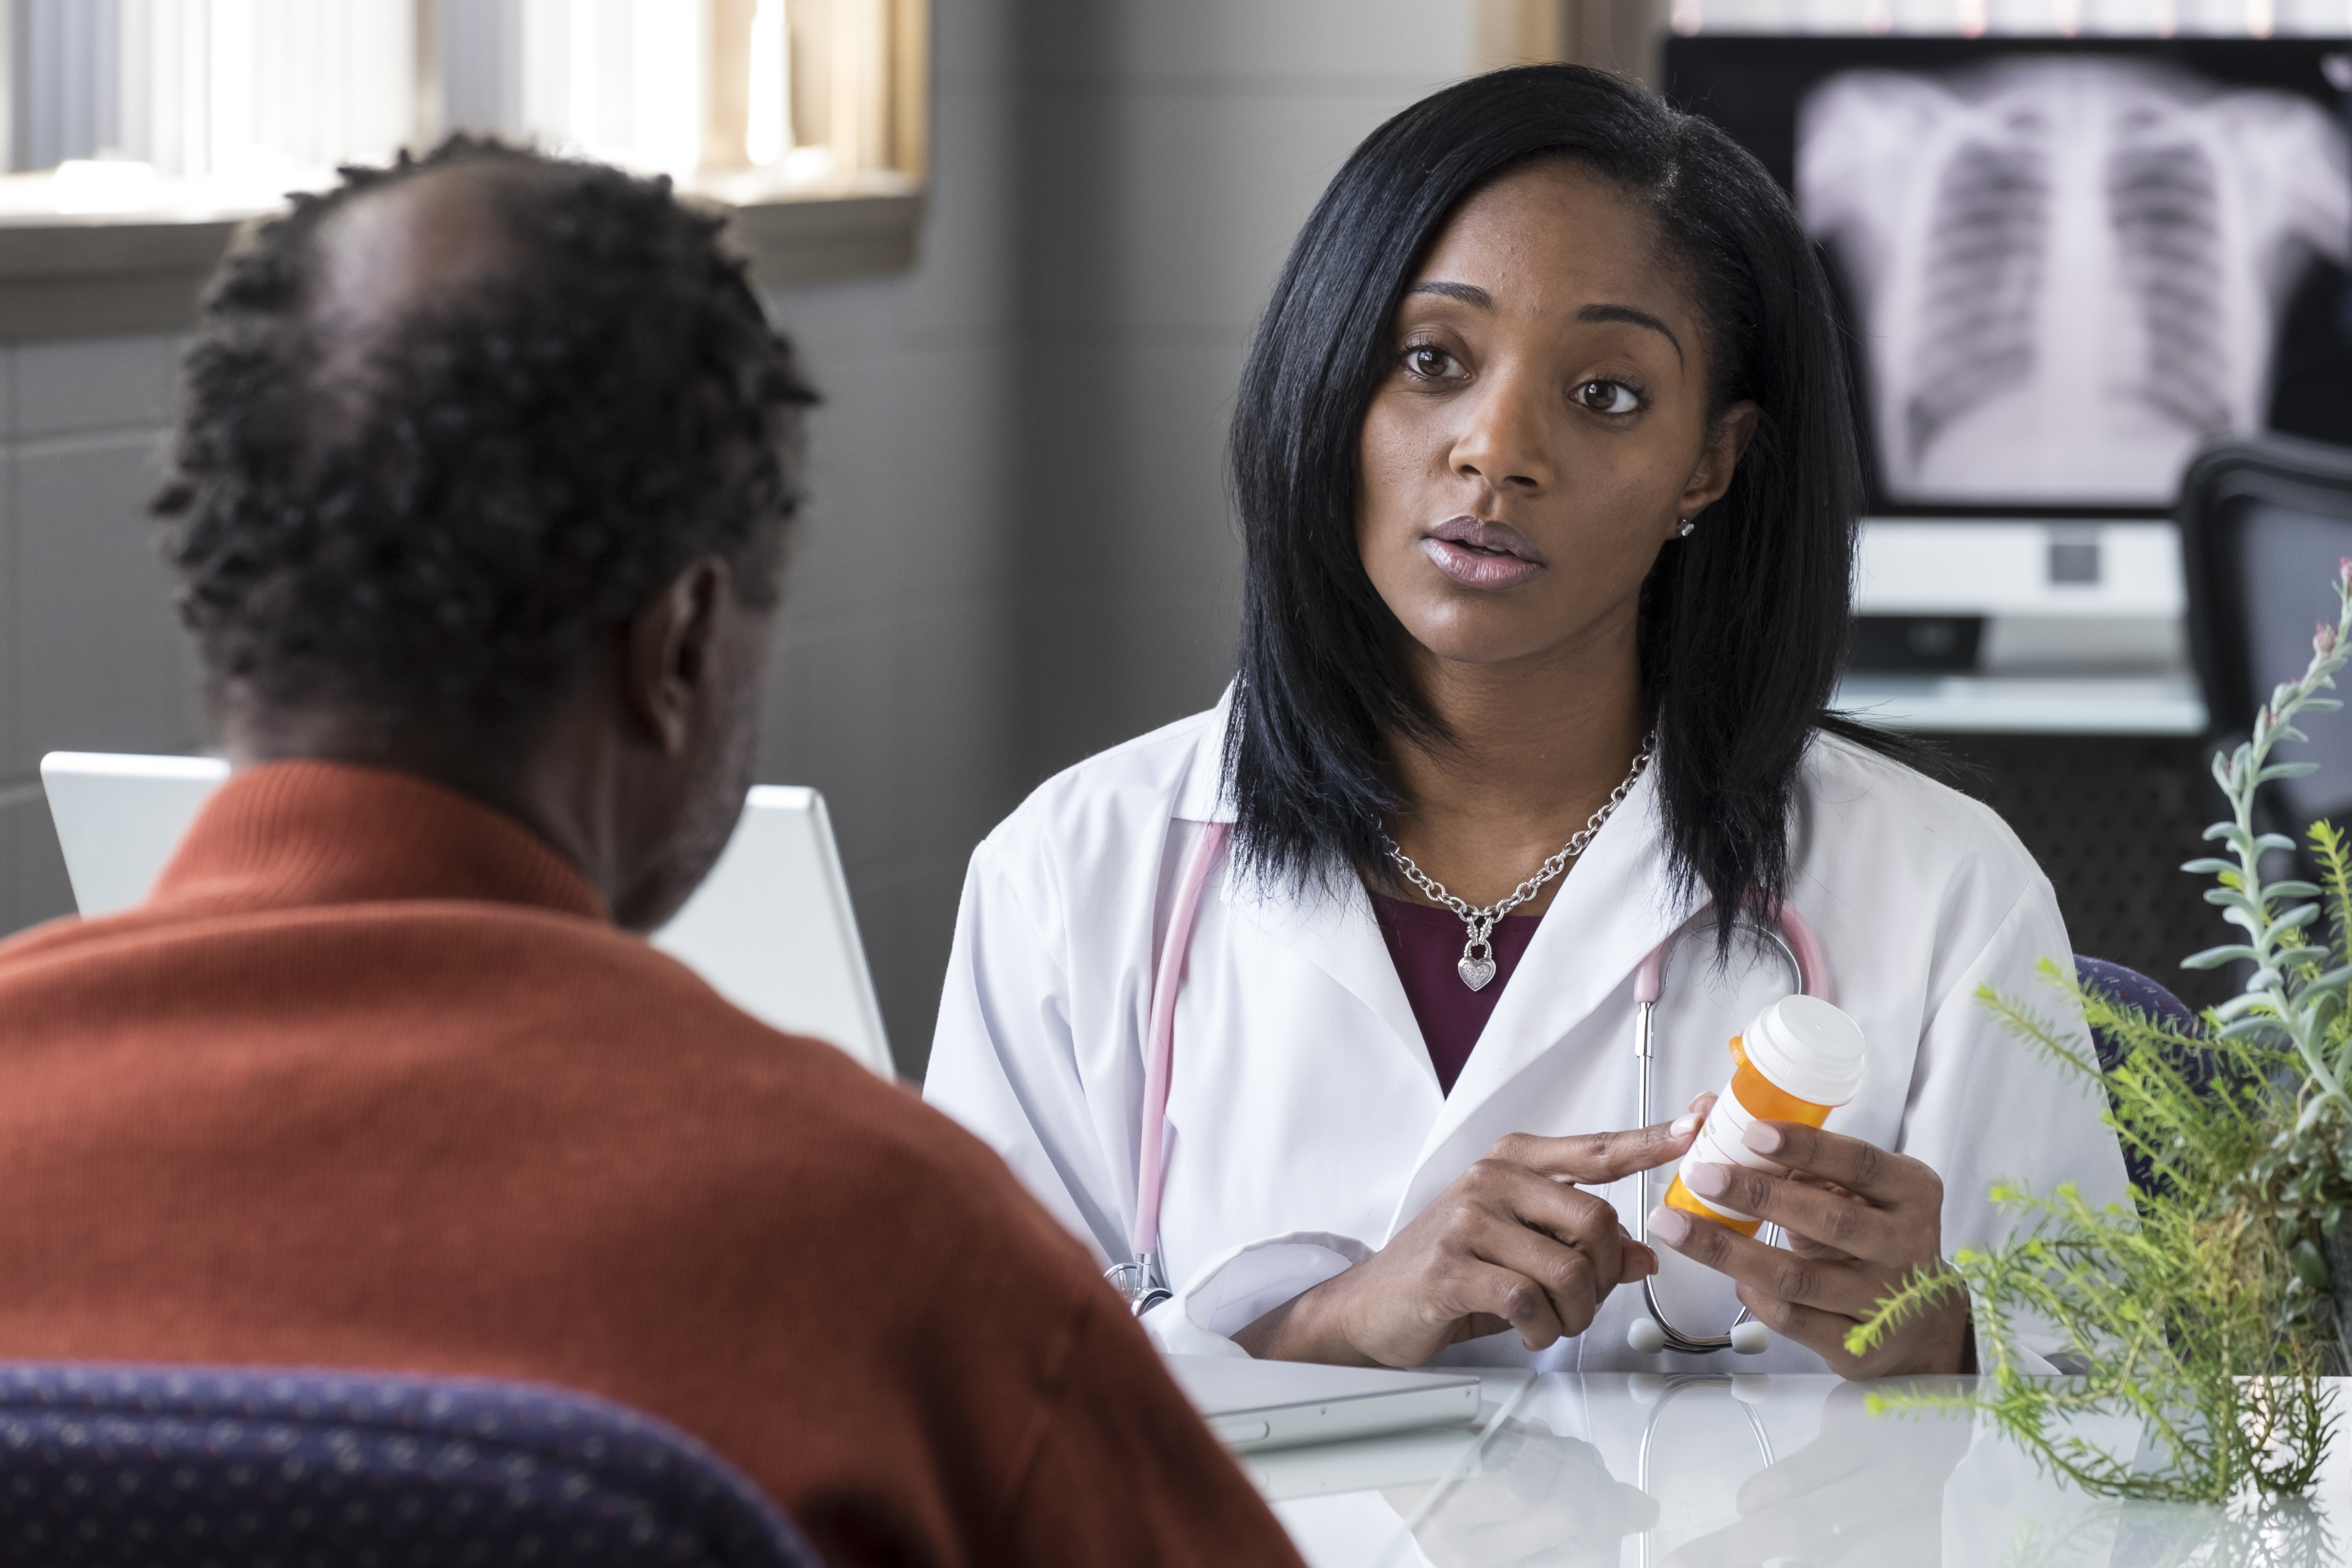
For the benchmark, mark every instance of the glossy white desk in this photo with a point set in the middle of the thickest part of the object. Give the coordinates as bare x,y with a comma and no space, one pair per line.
1581,1465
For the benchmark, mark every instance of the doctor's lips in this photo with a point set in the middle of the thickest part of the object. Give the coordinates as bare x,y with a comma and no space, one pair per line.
1481,554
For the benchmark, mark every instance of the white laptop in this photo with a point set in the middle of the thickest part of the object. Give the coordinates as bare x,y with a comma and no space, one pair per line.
771,928
1279,1404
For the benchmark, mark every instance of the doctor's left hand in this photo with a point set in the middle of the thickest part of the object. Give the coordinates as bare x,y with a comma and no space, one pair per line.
1860,1222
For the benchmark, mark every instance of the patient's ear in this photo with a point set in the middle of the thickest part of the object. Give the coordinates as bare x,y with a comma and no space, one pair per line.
669,654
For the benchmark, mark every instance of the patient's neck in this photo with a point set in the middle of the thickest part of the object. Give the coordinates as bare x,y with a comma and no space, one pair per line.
540,775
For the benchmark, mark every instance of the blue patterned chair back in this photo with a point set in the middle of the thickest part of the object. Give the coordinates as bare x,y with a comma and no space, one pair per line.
172,1467
2132,989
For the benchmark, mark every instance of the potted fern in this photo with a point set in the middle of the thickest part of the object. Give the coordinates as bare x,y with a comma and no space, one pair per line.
2211,1308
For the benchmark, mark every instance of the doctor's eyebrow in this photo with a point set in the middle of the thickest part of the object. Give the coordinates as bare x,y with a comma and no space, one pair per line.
1471,294
1468,293
1627,313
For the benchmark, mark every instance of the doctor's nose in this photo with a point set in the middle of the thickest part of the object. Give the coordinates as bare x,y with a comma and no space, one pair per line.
1503,442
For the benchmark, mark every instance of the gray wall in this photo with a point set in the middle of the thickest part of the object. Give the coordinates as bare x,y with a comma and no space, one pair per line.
894,674
90,657
1018,548
1171,153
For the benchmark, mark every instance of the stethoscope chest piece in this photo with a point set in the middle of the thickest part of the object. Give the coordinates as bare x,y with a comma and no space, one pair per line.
1140,1283
1748,1337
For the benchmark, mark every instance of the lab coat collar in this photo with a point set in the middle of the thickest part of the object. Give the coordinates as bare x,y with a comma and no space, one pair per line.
1204,797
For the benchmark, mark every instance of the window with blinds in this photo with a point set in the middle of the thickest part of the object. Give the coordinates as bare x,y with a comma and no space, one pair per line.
223,105
2028,18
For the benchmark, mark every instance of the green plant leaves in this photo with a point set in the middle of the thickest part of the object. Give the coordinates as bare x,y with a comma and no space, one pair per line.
2205,1309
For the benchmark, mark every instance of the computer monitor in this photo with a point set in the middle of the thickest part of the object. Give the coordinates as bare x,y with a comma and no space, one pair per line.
771,928
2063,262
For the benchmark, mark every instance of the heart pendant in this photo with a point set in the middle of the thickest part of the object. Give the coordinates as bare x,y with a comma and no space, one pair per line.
1475,971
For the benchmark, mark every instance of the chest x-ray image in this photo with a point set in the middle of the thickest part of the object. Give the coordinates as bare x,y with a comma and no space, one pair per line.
2067,272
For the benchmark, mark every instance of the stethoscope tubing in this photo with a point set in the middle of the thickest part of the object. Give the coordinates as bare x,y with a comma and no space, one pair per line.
1159,1063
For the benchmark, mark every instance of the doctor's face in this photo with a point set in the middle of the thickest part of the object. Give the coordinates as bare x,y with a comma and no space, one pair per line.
1543,426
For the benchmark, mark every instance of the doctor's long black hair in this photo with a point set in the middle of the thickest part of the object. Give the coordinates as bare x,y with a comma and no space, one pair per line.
1742,625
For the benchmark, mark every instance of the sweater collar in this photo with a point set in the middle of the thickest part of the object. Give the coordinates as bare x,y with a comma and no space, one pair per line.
295,834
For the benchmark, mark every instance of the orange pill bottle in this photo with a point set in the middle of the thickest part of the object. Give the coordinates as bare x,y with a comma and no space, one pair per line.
1800,1060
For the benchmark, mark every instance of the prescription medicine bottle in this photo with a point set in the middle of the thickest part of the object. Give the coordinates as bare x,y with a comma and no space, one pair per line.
1800,1060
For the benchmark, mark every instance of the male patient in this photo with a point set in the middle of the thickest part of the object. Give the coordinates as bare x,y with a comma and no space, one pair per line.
481,513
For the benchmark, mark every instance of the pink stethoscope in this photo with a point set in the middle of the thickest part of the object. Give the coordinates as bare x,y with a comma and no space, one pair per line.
1143,1280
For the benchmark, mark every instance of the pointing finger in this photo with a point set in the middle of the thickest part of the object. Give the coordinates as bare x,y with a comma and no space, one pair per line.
1595,1158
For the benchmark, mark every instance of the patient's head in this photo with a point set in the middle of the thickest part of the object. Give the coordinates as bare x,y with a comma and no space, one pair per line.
484,473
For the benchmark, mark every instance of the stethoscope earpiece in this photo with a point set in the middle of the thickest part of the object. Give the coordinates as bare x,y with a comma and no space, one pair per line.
1646,1338
1747,1339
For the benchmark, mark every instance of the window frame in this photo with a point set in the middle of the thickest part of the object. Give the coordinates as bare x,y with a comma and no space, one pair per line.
77,275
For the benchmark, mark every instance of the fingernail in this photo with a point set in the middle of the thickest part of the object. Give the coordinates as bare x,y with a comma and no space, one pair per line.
1707,1181
1685,1125
1764,1137
1640,1263
1668,1225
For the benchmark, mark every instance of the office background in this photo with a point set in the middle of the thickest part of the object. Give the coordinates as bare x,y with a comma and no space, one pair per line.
1019,548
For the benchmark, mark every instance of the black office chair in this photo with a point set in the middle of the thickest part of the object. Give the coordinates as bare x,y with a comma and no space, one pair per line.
2263,523
209,1466
2129,988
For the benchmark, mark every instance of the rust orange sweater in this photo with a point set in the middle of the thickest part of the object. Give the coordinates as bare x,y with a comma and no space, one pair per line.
372,1082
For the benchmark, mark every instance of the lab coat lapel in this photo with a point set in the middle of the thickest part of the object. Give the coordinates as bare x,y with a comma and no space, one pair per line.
1615,905
1331,928
1327,927
1334,930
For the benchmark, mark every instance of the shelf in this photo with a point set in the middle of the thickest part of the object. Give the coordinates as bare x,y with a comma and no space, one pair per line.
2023,705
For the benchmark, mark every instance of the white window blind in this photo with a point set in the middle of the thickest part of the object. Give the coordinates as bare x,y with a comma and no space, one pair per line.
236,95
2120,18
131,103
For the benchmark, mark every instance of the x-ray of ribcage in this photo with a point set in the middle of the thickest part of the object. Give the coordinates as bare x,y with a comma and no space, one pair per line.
2068,272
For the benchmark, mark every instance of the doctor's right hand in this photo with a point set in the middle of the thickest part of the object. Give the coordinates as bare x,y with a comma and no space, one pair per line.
1513,1244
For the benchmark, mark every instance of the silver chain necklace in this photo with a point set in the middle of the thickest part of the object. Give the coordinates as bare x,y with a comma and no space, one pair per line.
1478,968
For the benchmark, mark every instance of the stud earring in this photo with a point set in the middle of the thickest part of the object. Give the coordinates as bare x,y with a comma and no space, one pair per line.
1687,528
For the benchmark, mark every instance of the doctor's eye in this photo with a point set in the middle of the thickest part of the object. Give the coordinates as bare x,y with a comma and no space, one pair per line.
1427,361
1609,397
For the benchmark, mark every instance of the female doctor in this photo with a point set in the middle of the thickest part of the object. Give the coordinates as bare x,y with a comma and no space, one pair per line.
1547,490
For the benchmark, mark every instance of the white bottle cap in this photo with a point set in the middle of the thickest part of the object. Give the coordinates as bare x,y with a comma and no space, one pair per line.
1808,1048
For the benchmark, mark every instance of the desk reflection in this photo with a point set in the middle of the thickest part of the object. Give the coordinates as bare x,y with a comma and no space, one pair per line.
1716,1471
1850,1496
1537,1498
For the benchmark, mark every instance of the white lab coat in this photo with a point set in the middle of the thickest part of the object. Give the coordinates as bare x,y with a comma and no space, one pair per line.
1306,1125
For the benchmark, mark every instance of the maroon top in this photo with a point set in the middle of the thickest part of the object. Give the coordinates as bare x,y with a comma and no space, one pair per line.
1425,944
